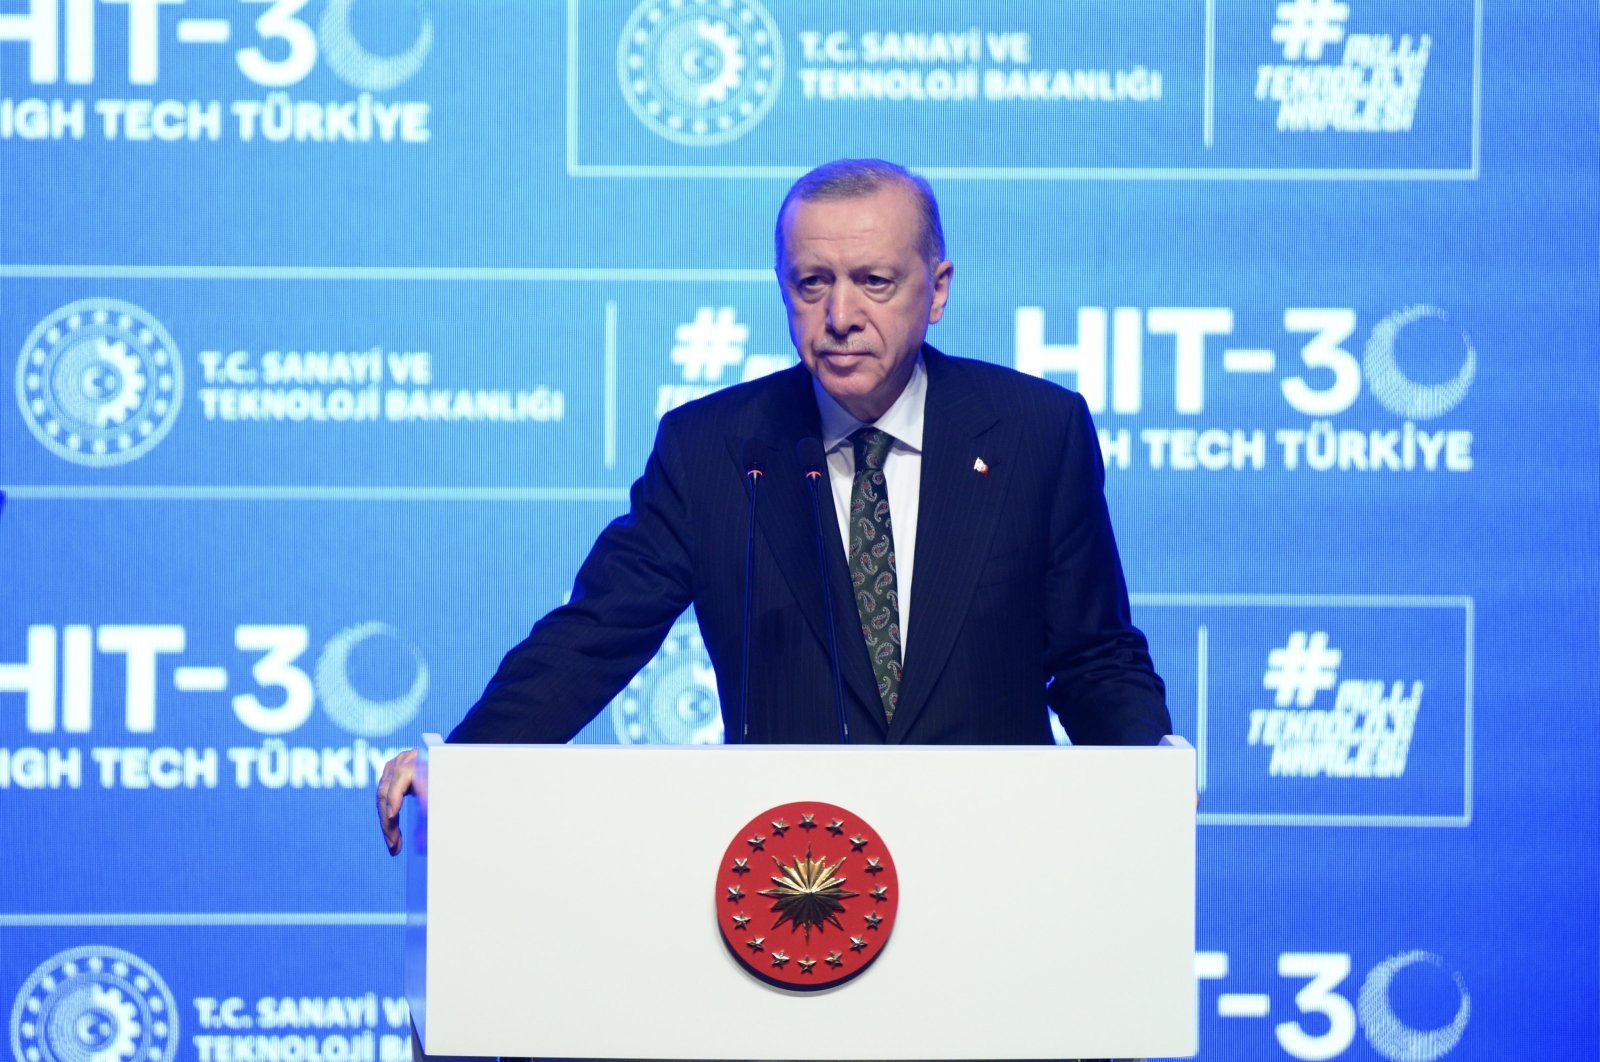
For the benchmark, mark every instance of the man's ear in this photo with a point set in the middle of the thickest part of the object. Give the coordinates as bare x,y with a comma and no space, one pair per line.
941,290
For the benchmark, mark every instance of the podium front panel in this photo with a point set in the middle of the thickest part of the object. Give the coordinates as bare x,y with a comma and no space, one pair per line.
563,903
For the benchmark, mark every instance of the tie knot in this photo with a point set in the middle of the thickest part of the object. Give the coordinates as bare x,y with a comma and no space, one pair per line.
872,446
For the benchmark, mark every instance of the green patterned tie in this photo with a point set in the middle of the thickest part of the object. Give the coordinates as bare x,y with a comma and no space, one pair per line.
872,564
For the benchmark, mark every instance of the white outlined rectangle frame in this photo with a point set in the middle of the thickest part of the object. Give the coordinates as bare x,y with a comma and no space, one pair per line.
1415,601
1060,173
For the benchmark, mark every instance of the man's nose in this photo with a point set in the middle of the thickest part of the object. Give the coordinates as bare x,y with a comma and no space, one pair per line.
844,310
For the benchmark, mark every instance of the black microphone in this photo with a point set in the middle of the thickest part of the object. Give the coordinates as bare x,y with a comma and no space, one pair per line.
809,451
753,470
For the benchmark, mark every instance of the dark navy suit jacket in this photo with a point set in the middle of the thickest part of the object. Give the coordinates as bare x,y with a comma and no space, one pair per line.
1020,599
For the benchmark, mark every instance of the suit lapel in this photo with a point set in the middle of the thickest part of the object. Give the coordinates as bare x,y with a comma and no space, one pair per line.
957,510
786,521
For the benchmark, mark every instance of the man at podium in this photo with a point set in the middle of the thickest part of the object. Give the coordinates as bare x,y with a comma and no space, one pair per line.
972,579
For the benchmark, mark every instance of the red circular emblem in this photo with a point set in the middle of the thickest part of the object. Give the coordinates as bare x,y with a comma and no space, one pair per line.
806,895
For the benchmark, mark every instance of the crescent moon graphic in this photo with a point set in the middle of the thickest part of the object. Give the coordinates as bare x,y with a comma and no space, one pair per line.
1393,1038
359,68
348,708
1391,387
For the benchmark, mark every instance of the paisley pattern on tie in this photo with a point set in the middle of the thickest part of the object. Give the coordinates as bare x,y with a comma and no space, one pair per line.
872,564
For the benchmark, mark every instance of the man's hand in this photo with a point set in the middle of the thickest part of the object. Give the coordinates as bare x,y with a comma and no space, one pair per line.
392,789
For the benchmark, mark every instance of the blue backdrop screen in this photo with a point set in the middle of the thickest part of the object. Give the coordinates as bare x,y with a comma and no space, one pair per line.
332,332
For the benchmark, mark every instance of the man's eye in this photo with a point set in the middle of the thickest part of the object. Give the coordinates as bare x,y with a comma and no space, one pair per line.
809,283
876,282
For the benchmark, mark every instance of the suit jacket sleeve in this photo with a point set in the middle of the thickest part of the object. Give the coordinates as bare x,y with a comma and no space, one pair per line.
1102,683
635,582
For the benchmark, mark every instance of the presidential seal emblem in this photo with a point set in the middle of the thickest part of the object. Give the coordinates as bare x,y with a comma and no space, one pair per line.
99,382
94,1003
700,72
806,895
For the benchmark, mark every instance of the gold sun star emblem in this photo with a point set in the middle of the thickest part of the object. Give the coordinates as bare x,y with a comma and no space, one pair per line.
809,893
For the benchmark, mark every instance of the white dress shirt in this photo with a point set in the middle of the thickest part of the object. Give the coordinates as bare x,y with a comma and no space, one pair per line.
902,470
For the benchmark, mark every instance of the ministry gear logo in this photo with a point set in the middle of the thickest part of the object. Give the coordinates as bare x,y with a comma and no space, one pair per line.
673,699
94,1004
99,382
700,72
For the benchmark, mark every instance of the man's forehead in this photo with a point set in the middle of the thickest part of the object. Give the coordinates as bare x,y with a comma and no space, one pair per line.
884,224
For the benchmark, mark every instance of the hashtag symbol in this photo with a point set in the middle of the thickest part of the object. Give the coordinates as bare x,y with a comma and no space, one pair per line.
709,344
1301,668
1305,27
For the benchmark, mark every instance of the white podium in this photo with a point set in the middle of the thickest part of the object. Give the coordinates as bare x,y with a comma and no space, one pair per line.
561,902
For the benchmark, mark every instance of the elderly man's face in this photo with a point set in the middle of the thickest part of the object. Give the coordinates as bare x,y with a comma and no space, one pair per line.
860,295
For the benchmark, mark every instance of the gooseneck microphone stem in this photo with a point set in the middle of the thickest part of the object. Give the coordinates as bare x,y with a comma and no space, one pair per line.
809,451
752,474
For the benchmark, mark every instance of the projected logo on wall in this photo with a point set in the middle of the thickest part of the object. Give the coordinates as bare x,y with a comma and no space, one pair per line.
57,676
1367,734
700,73
1322,710
1417,363
369,679
673,700
100,382
276,50
1413,983
1213,91
363,69
94,1003
1388,1033
1398,393
1372,88
712,350
346,705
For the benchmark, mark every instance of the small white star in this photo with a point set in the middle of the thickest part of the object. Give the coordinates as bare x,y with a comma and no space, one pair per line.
857,843
755,944
836,827
858,944
756,843
779,959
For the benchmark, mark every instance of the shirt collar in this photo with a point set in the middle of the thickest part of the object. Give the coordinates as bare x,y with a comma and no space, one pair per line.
903,420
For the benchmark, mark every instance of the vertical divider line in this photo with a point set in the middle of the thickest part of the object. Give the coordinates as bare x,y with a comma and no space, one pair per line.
1477,87
1211,71
1203,640
610,454
1466,765
572,88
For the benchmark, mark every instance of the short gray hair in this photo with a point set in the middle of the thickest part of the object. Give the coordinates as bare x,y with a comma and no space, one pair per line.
857,179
